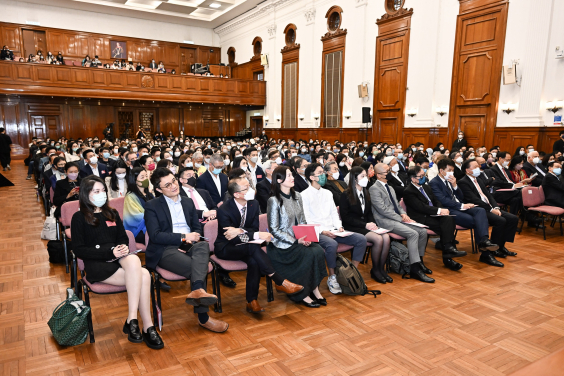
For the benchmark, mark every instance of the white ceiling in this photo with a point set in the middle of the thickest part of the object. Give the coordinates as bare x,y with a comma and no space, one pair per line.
185,12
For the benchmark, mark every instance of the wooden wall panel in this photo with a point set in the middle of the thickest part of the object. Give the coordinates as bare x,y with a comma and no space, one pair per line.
11,37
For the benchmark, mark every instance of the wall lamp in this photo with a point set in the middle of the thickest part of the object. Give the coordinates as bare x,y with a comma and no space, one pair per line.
442,111
509,107
554,106
278,117
301,117
411,112
316,116
265,118
347,114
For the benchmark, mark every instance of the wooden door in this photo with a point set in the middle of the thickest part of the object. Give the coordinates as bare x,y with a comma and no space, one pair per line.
147,123
37,127
476,75
256,125
187,58
52,126
390,77
40,43
213,128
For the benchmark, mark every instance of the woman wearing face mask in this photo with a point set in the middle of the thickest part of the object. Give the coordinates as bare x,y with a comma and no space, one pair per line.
518,174
344,165
440,147
60,174
360,153
72,154
373,153
356,214
303,153
333,184
469,155
520,152
176,154
66,189
134,204
458,160
117,181
489,160
99,239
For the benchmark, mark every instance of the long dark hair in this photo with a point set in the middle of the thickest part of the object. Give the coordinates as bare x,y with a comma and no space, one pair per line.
279,173
86,206
132,183
114,180
351,189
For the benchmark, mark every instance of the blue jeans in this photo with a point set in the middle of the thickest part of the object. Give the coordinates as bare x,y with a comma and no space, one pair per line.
30,168
330,245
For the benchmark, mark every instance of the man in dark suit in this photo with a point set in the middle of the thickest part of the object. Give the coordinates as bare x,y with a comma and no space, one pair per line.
460,142
104,157
504,224
48,173
213,180
424,208
153,65
240,220
174,244
402,172
558,145
257,173
446,191
552,186
395,180
93,167
532,166
264,186
300,181
200,197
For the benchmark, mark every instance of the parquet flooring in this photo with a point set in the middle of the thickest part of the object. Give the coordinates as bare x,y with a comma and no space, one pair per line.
479,321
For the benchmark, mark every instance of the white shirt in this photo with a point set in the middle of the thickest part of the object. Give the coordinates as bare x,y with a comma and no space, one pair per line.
199,199
426,196
253,174
483,197
451,187
540,170
179,225
240,207
122,188
303,177
319,208
95,170
217,181
502,170
362,200
395,175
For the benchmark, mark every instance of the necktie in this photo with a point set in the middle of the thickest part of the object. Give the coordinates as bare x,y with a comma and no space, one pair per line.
425,194
449,189
504,174
243,210
193,197
392,199
482,195
362,201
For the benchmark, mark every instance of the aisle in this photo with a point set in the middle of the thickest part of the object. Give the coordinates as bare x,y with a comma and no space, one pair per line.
479,321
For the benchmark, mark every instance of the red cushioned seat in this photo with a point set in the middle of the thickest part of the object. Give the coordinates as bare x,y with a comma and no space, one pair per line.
344,248
552,210
141,246
369,244
395,236
103,288
170,276
229,265
431,233
460,228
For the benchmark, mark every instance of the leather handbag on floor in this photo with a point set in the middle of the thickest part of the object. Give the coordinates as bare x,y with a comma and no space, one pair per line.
350,279
69,323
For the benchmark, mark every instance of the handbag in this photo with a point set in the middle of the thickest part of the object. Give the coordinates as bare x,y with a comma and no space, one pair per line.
69,323
49,231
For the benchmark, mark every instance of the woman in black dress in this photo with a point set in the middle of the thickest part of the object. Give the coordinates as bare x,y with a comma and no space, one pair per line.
356,213
66,189
98,238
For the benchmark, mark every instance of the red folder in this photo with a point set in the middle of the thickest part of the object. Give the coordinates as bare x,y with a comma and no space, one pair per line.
306,230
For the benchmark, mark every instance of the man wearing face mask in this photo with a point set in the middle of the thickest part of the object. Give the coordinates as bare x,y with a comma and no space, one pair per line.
423,207
504,224
532,166
320,209
207,157
238,223
558,145
460,142
301,183
275,157
200,197
105,157
303,153
213,180
333,184
552,186
257,173
93,167
264,187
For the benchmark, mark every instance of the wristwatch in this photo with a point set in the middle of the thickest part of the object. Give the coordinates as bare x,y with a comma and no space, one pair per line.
183,238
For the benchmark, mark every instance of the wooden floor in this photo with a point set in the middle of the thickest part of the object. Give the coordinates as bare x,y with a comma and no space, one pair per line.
479,321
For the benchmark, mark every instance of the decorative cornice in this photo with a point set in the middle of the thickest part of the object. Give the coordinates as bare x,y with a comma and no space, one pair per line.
259,11
271,31
310,16
290,48
334,34
402,12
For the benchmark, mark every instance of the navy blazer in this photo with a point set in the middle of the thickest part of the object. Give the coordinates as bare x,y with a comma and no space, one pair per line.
263,194
530,170
159,226
228,215
259,173
444,195
205,196
300,184
205,182
86,170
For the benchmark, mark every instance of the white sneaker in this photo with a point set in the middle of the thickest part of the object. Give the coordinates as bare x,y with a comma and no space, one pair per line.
334,285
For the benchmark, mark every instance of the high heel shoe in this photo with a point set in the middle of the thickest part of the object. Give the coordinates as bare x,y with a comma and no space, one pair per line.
315,299
377,277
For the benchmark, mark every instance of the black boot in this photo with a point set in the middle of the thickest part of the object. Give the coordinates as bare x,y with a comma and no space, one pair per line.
417,273
132,330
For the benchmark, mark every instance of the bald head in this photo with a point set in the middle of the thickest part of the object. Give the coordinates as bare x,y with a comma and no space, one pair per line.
480,160
532,155
381,171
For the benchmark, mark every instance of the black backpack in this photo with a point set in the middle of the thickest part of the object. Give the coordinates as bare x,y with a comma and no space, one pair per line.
399,259
350,279
56,251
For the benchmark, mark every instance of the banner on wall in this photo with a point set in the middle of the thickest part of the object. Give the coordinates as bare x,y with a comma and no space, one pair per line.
557,119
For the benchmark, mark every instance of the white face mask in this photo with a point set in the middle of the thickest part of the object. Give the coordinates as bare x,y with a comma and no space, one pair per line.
494,154
442,148
93,160
342,164
536,160
250,195
278,161
226,160
395,168
254,159
120,176
505,163
335,175
459,160
321,161
207,160
363,182
460,137
177,154
449,174
197,165
522,152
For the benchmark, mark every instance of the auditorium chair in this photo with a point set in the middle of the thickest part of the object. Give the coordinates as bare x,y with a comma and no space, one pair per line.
210,232
67,211
533,200
342,248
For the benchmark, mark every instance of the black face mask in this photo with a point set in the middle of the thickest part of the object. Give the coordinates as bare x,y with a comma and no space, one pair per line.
191,181
61,170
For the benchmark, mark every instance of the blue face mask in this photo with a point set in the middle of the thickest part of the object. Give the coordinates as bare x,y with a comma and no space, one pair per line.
400,156
106,155
557,171
422,180
99,199
361,154
425,170
217,171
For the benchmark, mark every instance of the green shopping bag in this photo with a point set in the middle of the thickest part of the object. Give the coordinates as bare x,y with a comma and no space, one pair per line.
69,323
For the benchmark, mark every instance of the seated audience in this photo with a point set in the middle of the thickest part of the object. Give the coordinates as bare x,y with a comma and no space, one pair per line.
134,203
534,165
66,189
515,168
395,180
99,239
264,186
213,180
320,209
92,166
356,214
301,183
200,197
553,186
298,260
117,181
333,184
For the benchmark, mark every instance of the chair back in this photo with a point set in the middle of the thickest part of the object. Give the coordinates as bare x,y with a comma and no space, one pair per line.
263,223
51,194
210,232
117,203
132,243
67,211
532,196
402,204
80,264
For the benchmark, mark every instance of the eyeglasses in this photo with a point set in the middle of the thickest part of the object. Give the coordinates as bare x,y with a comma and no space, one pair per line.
169,185
243,190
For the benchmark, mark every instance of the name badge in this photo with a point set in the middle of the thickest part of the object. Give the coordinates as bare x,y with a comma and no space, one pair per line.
259,176
110,223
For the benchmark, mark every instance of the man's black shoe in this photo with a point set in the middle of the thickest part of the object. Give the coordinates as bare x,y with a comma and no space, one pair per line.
451,264
226,280
487,245
488,258
451,252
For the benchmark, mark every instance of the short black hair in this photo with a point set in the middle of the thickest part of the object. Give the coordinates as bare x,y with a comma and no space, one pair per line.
233,186
551,164
421,160
502,154
158,174
443,163
466,164
85,152
310,170
235,173
248,151
413,171
207,151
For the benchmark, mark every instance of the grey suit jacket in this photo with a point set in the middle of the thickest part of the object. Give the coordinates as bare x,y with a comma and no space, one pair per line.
382,206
